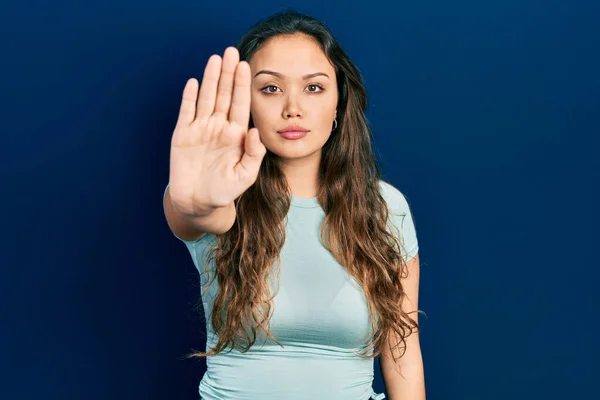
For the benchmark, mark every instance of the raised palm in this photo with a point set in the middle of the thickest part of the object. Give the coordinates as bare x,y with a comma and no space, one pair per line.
214,157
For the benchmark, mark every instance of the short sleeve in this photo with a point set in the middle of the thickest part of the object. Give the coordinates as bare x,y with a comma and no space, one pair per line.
199,250
402,219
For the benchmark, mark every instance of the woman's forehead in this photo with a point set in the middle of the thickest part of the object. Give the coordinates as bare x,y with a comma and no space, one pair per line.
291,56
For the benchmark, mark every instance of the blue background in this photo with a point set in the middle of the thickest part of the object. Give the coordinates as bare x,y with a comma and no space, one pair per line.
485,114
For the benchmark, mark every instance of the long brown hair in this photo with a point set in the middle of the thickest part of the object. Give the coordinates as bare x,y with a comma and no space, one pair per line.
354,229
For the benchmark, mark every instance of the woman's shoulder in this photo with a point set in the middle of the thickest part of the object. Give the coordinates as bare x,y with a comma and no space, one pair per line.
395,199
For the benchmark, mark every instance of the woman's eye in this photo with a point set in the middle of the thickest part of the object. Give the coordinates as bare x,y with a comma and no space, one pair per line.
315,86
311,88
270,86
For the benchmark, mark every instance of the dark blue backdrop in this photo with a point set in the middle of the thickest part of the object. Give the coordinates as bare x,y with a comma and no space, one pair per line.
485,114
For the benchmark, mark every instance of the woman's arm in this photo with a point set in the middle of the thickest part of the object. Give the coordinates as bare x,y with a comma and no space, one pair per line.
411,384
217,221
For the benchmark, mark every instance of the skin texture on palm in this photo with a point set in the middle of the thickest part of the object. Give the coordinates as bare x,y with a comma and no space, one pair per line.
214,158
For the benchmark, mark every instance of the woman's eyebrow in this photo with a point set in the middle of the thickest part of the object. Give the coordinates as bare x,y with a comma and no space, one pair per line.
279,75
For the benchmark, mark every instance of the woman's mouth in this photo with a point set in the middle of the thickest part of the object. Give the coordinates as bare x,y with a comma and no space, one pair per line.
293,134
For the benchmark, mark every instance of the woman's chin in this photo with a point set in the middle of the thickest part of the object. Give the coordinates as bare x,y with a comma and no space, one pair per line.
292,151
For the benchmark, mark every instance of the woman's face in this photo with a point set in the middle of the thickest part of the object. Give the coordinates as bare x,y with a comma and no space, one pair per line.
283,95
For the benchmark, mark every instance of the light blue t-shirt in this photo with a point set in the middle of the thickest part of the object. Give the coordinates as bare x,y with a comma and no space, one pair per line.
320,316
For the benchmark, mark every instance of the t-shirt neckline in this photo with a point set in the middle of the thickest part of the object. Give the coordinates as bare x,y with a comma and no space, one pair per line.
305,202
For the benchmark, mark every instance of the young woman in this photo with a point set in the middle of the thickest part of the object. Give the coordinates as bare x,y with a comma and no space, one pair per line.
308,261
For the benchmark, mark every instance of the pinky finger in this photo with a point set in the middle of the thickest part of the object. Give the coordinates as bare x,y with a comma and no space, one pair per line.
187,112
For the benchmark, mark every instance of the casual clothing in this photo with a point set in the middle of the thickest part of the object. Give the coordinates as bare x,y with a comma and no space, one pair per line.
320,317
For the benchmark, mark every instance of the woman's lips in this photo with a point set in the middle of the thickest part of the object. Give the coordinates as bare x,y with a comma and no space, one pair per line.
293,134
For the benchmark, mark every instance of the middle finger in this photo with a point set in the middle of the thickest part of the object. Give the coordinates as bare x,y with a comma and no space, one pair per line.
231,58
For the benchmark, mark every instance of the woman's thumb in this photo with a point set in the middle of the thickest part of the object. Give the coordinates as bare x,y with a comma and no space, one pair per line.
254,151
253,146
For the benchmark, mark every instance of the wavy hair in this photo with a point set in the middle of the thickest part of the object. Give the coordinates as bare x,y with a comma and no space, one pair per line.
354,230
